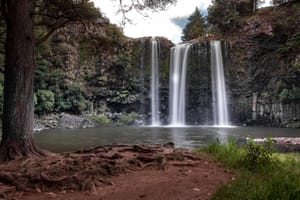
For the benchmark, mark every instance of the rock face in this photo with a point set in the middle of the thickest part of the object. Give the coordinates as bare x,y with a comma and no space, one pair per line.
264,80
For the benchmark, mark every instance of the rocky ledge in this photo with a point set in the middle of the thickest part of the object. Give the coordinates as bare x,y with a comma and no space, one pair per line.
62,120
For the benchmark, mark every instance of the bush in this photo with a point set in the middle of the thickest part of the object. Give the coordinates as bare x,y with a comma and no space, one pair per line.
101,119
72,99
44,101
258,155
128,118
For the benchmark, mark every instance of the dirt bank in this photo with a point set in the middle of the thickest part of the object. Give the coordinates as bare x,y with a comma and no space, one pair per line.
115,172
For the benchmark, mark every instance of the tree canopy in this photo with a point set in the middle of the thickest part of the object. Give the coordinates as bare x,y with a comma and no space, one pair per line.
195,27
224,15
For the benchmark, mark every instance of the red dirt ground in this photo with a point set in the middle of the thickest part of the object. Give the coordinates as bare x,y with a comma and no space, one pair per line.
191,178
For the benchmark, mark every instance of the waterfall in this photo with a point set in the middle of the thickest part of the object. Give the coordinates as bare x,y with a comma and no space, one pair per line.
155,121
220,110
178,68
142,80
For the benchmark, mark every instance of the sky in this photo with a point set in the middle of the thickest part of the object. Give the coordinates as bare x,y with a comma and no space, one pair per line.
167,23
158,23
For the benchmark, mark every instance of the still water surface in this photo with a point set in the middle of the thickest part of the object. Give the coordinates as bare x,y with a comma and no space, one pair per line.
59,140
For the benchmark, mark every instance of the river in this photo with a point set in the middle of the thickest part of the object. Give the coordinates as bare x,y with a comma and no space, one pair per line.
60,140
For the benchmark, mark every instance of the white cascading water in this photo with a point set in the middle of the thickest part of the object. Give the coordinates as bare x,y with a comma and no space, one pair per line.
220,110
155,121
178,68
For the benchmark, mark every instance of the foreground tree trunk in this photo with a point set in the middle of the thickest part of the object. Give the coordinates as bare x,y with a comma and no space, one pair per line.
17,137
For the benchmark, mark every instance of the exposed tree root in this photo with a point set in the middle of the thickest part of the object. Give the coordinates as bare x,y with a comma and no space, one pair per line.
83,170
15,150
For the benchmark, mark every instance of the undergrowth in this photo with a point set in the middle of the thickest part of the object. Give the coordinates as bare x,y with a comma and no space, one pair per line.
261,173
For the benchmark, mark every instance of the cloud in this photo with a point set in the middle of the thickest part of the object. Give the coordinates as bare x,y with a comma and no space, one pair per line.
165,23
180,21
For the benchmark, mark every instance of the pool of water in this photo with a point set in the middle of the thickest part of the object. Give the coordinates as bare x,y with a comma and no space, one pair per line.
59,140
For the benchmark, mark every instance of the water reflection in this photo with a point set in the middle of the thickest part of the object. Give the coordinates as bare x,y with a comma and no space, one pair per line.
58,140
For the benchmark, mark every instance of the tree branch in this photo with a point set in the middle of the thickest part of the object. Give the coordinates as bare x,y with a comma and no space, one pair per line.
50,32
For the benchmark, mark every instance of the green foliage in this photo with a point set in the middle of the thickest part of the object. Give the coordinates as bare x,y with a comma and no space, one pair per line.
277,177
223,15
101,119
258,155
196,26
114,34
55,14
128,118
287,95
42,74
292,45
251,156
297,65
44,101
72,99
222,152
279,183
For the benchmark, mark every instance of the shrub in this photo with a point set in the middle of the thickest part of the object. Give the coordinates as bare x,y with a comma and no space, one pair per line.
101,119
44,101
258,155
128,118
72,99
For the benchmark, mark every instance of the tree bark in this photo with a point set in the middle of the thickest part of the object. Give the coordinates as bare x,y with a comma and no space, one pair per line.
17,136
254,6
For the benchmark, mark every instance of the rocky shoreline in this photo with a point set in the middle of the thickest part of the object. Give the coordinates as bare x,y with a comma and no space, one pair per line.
68,121
62,120
283,144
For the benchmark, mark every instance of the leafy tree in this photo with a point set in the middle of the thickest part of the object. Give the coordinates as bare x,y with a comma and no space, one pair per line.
195,27
223,15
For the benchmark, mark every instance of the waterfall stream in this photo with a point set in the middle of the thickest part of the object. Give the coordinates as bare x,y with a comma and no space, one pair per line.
220,110
178,68
155,120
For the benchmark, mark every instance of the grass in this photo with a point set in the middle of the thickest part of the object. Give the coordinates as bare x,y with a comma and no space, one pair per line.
261,173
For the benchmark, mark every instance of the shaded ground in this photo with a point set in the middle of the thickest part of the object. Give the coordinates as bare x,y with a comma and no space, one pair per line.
119,172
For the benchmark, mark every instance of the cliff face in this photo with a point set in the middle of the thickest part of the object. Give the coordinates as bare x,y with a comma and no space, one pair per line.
265,75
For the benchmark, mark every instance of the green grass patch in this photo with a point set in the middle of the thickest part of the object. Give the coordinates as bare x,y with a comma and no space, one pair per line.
261,173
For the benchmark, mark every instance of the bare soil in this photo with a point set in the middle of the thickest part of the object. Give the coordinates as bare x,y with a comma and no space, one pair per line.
117,172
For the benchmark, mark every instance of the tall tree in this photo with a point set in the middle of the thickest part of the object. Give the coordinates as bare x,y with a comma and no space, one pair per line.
17,119
195,27
17,139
